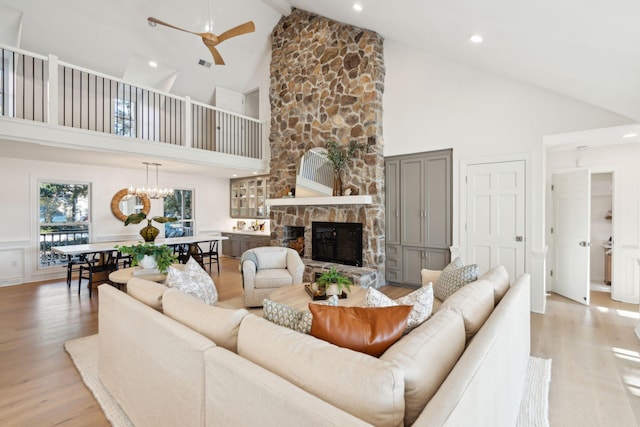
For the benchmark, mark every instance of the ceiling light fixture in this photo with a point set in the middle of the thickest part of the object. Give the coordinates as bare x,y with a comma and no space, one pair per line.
629,135
153,64
476,38
357,7
151,192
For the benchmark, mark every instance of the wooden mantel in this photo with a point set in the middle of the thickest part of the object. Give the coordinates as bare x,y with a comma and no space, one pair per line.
316,201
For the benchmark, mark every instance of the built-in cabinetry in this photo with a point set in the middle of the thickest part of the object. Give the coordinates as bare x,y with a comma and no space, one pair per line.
240,242
418,214
249,196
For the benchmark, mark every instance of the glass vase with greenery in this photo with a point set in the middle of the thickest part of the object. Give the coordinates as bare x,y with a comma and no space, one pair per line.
340,156
148,233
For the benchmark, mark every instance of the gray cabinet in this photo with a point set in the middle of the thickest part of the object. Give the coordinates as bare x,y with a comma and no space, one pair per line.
239,242
418,214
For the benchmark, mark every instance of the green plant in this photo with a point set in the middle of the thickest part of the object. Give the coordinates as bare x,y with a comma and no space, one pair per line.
334,276
163,254
137,218
340,156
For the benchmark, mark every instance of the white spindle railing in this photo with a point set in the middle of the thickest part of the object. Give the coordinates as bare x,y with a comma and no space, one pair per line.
44,89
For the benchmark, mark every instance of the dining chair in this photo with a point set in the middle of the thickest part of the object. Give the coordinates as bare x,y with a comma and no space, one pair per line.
211,253
74,262
97,262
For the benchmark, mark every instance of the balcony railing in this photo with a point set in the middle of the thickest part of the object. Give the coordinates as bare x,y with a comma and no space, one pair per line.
73,236
43,89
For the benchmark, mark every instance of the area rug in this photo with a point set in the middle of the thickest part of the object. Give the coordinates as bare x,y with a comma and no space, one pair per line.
84,353
534,406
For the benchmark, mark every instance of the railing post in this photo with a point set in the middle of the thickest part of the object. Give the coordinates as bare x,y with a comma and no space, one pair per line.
188,122
52,91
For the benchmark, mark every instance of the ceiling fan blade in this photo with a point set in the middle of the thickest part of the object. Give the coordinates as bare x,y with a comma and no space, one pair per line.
247,27
211,45
157,21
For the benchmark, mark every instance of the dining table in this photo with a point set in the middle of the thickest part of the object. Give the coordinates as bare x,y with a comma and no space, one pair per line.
103,248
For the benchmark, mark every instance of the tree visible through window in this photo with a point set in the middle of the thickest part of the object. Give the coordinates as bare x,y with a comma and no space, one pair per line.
180,205
63,220
124,121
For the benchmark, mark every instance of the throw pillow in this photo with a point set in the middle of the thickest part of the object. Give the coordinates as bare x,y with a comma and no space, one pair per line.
421,300
286,316
453,279
193,280
369,330
456,263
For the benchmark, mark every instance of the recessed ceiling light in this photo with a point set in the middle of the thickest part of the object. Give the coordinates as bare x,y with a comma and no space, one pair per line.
629,135
235,174
255,173
357,7
475,38
153,64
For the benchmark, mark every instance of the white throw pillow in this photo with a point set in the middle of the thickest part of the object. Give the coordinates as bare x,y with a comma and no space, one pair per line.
421,300
193,280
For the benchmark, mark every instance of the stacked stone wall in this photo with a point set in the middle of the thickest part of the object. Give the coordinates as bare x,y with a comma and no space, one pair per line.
327,82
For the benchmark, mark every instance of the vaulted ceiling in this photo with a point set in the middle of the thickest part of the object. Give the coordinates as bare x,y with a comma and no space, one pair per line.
585,50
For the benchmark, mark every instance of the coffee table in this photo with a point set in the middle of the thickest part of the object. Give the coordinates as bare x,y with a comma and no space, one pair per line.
123,275
297,297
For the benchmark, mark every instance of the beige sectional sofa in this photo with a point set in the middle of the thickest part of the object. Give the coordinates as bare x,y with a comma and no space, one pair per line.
169,360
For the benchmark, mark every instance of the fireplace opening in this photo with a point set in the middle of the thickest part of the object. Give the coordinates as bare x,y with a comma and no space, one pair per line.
294,238
338,242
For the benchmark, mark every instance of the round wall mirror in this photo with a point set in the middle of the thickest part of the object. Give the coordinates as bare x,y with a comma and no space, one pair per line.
123,204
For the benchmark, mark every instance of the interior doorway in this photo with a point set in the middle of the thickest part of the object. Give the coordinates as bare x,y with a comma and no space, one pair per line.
601,232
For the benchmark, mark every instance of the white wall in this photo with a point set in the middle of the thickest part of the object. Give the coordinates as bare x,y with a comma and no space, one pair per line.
431,103
622,161
19,215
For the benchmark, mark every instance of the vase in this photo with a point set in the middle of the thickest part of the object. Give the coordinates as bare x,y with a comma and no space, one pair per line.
337,185
149,233
148,262
331,289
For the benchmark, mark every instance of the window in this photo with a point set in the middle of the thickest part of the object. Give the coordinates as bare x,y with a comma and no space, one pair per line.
64,219
180,206
124,121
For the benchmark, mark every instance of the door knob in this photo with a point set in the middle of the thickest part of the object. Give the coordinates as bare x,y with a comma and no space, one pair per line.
585,244
519,238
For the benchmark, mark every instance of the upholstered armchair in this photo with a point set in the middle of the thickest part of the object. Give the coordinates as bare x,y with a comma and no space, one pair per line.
267,268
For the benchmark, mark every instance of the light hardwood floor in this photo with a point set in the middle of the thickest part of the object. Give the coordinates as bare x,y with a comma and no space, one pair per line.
595,373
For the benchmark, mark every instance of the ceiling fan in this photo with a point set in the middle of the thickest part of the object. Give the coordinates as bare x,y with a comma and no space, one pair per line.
211,40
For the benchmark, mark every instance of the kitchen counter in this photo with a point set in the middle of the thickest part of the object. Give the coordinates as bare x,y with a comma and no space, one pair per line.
242,240
249,232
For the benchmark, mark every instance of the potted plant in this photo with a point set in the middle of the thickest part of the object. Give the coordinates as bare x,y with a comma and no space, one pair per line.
148,233
333,281
142,254
339,157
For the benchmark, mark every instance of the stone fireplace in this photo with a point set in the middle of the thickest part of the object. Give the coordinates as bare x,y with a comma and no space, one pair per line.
327,81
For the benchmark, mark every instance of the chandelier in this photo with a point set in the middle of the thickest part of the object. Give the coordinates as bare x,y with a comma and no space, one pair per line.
156,192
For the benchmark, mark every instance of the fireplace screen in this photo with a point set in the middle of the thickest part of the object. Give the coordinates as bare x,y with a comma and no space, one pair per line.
339,242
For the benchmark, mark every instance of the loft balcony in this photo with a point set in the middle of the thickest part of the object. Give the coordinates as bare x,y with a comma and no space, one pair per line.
46,102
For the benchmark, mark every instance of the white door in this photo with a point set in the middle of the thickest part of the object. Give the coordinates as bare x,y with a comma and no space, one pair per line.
571,234
495,223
